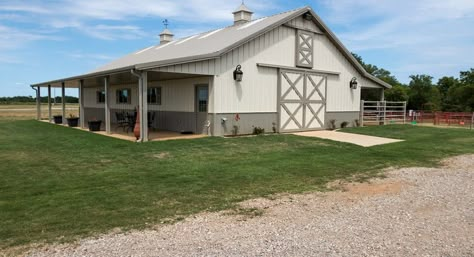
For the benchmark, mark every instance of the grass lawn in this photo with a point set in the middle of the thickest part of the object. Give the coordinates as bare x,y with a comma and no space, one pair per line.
58,184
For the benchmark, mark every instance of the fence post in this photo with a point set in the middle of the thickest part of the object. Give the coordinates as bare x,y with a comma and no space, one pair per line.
472,119
404,112
362,107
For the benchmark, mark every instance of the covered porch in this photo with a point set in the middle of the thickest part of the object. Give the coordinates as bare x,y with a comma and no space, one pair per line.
168,105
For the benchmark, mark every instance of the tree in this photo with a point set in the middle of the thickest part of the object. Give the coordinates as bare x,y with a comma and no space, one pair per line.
380,73
397,93
423,94
463,95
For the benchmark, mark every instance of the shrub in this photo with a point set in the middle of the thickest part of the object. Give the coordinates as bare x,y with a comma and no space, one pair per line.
258,130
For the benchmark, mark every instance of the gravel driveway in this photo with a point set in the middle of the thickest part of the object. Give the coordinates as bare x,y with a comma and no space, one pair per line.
413,212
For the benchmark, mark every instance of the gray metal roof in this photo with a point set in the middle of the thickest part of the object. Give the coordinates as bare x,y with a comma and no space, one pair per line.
211,44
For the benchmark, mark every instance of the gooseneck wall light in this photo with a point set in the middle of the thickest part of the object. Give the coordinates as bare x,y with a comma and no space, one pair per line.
238,74
353,83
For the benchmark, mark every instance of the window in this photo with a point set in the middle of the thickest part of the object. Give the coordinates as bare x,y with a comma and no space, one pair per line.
202,98
100,96
124,96
154,95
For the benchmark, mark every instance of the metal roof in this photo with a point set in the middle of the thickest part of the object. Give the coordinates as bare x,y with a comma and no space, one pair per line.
210,45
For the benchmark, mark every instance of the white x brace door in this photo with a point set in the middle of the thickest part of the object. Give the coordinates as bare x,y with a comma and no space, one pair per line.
302,101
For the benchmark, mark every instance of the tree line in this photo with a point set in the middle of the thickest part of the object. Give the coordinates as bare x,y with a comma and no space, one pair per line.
448,94
30,99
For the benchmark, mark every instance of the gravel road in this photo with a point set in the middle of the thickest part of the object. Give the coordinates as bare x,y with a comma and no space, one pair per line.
413,212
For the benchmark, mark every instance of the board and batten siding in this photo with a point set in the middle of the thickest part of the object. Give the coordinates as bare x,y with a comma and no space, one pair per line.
177,95
340,97
258,90
90,97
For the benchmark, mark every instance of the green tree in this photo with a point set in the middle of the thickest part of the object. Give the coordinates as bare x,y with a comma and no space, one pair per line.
423,94
380,73
397,93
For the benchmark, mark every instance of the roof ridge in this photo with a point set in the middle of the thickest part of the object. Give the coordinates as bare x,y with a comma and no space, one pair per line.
233,25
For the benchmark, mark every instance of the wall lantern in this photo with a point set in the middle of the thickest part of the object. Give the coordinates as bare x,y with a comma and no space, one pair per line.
353,83
238,74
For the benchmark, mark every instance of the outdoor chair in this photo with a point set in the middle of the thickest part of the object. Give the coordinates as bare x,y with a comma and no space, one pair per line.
131,119
121,120
151,119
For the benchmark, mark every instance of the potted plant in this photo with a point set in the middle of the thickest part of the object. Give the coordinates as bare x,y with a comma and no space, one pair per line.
94,124
58,119
72,120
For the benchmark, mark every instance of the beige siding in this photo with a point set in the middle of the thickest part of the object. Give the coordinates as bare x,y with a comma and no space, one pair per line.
177,95
339,96
300,22
90,97
206,67
258,90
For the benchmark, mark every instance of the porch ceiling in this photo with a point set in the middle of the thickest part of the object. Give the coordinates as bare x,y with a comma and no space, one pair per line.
123,78
128,78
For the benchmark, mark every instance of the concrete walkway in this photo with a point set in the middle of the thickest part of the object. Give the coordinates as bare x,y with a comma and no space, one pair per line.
362,140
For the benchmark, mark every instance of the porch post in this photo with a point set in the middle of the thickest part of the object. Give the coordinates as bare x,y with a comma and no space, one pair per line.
63,102
107,107
382,94
81,103
38,103
144,108
50,115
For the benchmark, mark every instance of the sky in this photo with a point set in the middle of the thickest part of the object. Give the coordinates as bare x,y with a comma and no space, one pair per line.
53,39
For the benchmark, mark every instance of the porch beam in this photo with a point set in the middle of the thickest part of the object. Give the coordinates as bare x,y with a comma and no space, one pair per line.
81,104
38,103
63,102
107,106
50,114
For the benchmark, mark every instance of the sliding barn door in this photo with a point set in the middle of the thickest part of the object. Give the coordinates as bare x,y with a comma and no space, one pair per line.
302,101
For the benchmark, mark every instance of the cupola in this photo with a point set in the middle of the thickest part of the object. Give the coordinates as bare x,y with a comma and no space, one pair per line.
242,15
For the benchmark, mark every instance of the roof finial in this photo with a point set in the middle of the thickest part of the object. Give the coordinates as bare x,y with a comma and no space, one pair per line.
166,23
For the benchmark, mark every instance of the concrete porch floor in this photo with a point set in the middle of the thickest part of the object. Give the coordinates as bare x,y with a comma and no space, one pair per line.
153,135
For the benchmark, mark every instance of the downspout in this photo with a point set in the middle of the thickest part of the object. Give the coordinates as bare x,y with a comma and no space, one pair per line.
38,103
139,76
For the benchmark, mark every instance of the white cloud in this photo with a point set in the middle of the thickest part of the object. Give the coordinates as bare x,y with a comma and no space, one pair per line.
11,38
427,36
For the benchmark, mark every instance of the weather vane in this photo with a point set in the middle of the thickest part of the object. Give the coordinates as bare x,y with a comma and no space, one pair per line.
166,23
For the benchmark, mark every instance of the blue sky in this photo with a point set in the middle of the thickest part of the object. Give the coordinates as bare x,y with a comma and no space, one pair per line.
45,40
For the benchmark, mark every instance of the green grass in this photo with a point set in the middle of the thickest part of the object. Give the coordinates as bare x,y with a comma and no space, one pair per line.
59,184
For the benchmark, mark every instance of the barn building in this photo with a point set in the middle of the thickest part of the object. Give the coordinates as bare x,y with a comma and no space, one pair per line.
283,73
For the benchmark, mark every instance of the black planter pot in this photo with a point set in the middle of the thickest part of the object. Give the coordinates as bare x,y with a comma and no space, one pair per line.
72,122
58,119
94,125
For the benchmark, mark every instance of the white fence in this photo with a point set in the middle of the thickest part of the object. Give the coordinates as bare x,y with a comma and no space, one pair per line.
382,112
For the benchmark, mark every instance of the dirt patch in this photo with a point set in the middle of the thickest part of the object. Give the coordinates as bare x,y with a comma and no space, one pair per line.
372,189
162,155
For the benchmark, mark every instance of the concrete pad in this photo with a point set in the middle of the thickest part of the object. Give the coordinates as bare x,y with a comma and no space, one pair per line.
362,140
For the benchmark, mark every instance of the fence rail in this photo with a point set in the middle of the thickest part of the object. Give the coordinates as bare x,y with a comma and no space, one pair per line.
382,112
455,119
